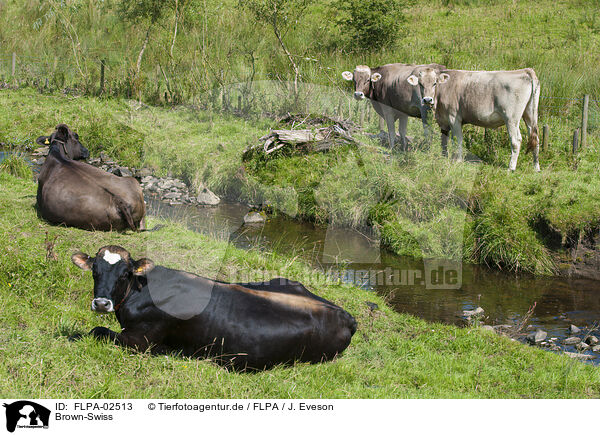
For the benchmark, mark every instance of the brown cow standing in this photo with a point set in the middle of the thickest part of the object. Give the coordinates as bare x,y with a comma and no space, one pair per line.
392,97
80,195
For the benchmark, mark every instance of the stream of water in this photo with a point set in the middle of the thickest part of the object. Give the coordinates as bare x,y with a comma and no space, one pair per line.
505,297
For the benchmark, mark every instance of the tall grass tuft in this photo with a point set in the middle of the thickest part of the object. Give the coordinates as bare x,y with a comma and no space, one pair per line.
16,164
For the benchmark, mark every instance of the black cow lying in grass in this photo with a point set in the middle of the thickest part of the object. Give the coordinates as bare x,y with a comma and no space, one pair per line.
251,326
79,195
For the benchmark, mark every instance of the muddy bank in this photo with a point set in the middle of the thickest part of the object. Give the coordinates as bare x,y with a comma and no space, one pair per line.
582,259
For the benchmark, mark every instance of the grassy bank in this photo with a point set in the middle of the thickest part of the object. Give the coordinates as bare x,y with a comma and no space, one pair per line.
42,300
420,204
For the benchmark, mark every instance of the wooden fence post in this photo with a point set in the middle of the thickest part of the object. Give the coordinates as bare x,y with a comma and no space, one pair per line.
575,140
14,64
545,134
584,119
102,76
239,107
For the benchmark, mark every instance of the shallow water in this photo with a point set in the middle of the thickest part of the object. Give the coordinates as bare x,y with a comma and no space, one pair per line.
354,257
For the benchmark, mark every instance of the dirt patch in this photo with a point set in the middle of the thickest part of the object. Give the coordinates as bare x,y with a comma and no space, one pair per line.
582,258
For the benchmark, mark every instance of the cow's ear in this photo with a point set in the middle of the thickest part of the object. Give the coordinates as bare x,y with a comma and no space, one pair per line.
142,266
43,140
347,75
443,78
82,261
413,80
375,77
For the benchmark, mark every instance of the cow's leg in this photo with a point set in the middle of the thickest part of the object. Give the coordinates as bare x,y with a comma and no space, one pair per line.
445,134
102,333
143,224
135,339
515,143
402,122
390,121
379,110
426,127
457,138
532,134
536,158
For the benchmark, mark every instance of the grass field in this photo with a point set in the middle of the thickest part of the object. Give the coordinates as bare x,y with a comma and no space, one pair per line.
392,355
219,43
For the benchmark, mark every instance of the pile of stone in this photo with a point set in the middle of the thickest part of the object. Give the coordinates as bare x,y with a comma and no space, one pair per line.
176,192
168,189
582,341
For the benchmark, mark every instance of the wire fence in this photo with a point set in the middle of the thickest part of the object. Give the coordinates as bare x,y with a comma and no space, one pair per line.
563,117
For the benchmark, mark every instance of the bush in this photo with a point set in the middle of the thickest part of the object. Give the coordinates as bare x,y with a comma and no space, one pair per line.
369,24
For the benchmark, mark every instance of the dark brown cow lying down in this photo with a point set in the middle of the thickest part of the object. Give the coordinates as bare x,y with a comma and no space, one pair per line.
245,326
79,195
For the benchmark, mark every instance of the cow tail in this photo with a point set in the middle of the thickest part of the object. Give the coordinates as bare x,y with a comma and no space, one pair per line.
534,139
124,209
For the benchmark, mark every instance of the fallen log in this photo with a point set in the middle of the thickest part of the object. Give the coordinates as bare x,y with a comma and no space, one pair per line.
305,140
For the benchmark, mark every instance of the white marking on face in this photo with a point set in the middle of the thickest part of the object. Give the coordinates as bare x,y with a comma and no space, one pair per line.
363,68
111,258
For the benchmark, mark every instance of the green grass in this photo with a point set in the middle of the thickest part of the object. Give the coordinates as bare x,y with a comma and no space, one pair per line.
391,356
16,164
219,44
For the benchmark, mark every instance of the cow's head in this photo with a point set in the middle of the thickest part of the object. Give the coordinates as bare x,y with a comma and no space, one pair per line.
428,79
113,270
363,78
67,142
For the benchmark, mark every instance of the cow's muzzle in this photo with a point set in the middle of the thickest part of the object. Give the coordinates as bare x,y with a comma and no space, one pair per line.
428,101
102,305
359,95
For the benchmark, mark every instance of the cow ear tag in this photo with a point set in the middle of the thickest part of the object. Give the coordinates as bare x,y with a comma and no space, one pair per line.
47,142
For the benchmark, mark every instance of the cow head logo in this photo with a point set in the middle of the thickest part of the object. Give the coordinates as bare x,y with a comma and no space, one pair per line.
26,414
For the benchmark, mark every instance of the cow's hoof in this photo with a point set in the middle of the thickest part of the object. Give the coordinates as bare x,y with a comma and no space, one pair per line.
75,337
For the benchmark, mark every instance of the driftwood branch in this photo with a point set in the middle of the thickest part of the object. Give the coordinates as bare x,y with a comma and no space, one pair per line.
305,140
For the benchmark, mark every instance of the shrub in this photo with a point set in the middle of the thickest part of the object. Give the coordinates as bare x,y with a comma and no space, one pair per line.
369,24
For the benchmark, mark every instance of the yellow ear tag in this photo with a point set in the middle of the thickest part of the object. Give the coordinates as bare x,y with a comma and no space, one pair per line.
139,270
47,142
